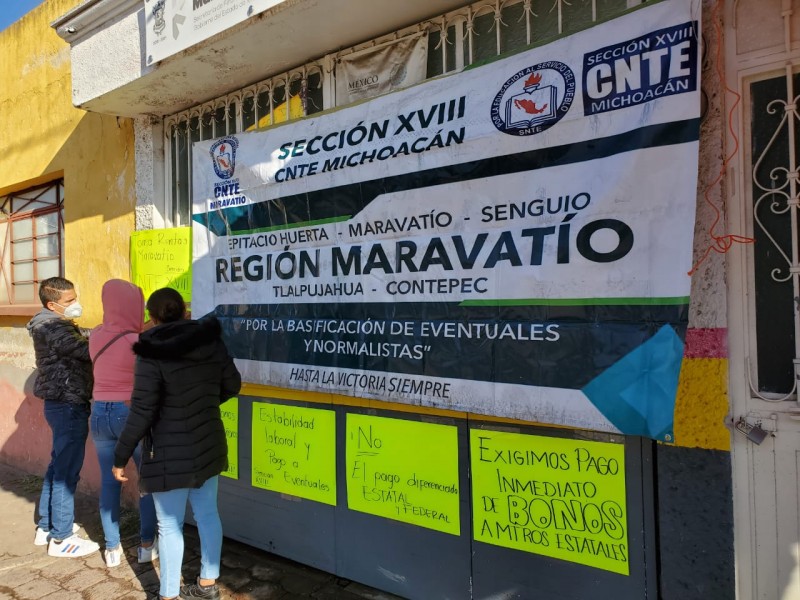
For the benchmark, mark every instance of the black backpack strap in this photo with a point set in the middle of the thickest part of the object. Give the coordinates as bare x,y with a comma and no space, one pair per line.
114,339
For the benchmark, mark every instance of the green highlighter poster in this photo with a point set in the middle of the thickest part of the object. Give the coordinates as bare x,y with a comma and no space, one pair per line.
404,470
162,258
230,419
556,497
294,451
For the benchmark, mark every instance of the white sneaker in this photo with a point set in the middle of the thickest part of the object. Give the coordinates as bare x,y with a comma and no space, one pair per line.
113,557
150,553
42,536
72,547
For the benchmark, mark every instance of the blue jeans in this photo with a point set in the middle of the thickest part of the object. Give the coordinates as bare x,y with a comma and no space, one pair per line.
107,423
171,508
69,424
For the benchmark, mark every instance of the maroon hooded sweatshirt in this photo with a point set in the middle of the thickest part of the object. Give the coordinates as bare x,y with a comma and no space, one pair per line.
123,312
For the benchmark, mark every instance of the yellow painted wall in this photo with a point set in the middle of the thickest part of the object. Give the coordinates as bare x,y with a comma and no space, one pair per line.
43,137
701,404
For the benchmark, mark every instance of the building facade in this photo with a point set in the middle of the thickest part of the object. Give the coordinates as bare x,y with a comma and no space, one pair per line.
68,195
711,507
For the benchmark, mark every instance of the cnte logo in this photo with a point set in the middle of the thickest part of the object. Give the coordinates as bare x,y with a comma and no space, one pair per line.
638,70
658,64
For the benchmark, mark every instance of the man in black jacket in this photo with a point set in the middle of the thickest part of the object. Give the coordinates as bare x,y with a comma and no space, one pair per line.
64,381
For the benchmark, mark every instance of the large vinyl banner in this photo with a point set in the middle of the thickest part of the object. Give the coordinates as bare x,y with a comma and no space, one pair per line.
511,240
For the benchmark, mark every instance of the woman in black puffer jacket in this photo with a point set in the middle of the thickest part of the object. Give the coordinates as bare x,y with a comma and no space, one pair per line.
183,374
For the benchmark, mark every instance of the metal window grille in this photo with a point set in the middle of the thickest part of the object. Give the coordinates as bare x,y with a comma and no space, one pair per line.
775,134
31,241
476,32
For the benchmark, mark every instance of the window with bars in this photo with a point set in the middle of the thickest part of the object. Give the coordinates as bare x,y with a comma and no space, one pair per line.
479,31
775,144
32,238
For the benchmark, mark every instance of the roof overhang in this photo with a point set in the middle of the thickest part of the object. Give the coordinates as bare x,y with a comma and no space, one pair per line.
110,73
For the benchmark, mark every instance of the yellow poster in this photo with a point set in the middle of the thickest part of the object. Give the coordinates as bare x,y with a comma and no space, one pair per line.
230,419
294,451
557,497
162,258
403,470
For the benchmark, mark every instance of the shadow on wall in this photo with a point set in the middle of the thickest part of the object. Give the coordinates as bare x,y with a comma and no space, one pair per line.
25,443
97,159
28,442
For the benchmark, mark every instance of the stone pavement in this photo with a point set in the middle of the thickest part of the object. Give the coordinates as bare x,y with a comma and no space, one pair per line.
28,573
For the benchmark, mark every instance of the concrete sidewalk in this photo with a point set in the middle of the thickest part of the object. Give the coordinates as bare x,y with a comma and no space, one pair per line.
28,573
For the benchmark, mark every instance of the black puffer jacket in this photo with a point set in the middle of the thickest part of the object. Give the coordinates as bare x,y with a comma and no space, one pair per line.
183,373
62,359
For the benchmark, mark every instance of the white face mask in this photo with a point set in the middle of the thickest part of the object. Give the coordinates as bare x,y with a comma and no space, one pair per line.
73,311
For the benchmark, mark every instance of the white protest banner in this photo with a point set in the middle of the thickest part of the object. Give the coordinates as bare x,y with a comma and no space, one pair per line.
513,240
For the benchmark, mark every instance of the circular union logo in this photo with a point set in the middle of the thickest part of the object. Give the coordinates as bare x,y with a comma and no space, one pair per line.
223,156
534,99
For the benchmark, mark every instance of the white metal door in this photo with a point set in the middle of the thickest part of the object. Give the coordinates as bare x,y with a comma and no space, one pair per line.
763,199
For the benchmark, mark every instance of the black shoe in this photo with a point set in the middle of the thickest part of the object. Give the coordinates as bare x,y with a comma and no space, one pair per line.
195,590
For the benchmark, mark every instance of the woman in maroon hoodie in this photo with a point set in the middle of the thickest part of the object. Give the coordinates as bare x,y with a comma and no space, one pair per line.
110,347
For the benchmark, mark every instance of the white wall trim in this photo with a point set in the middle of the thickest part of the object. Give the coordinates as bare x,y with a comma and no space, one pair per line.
82,21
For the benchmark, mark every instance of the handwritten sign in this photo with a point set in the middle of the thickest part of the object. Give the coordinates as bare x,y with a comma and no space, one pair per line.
557,497
162,258
294,451
230,419
403,470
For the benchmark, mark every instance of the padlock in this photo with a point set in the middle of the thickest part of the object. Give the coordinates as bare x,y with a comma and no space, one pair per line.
754,433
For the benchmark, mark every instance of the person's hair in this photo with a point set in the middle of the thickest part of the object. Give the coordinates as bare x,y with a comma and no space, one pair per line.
50,290
166,305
